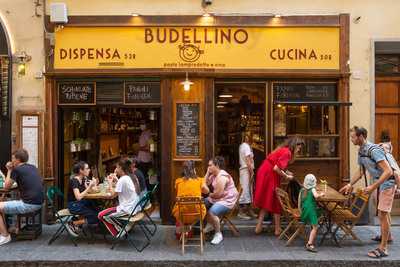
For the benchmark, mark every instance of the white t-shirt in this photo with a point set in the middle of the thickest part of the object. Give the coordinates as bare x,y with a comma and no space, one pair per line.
127,196
244,151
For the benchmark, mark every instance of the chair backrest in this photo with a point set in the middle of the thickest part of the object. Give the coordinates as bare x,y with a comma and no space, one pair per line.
359,203
52,193
155,188
190,207
284,200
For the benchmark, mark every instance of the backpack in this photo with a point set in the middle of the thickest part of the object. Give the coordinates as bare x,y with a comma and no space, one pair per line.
392,163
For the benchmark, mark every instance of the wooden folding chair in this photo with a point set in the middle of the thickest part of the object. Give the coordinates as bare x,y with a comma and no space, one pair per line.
293,217
227,218
190,207
347,218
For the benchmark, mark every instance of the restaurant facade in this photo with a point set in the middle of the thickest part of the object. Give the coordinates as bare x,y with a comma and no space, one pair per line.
265,77
113,69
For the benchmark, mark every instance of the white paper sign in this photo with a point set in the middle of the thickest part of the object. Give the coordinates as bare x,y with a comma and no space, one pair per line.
30,121
30,141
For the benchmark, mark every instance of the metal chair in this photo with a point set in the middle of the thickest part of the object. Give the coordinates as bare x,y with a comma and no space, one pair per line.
62,216
128,223
293,217
347,218
148,209
190,207
227,218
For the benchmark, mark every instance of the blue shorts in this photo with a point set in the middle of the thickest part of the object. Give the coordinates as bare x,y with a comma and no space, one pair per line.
19,207
216,209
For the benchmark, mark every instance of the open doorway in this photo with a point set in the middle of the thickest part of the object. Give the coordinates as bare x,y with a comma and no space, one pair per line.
240,111
101,136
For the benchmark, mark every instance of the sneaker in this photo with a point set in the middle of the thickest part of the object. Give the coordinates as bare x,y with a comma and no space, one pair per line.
243,216
72,229
217,238
5,239
208,228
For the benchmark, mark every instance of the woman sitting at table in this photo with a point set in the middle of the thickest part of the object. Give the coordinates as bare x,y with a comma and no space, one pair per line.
308,207
128,196
222,199
190,185
79,187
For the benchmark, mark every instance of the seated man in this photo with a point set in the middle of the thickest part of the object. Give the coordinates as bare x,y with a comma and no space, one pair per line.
30,187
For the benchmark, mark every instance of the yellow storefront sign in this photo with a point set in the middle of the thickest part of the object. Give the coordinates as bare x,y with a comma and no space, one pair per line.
197,47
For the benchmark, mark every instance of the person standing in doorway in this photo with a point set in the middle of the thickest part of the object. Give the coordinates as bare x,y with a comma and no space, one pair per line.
246,174
269,176
144,155
372,159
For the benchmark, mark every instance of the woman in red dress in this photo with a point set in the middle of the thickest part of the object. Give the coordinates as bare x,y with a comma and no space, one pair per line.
269,177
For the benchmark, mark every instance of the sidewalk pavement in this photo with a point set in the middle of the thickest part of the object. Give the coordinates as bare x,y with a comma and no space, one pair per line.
247,250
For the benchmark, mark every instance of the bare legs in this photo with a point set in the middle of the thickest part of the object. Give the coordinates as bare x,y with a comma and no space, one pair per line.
3,227
277,222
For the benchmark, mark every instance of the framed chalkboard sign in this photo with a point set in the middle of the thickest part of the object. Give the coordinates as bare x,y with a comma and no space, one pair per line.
77,93
136,93
187,130
287,91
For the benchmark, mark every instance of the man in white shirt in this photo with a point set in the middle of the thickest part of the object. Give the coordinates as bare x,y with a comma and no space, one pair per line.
246,173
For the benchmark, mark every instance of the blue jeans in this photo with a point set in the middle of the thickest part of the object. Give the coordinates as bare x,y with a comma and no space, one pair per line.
85,208
216,209
19,207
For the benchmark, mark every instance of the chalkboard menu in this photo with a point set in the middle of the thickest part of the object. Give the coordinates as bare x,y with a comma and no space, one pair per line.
305,92
76,93
188,129
142,92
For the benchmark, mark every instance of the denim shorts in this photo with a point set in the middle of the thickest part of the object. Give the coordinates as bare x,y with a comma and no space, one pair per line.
216,209
19,207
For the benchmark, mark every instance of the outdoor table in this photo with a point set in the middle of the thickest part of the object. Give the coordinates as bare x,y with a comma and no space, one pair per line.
4,192
329,202
102,195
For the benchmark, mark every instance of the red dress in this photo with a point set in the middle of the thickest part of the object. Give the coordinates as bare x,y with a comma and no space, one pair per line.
267,180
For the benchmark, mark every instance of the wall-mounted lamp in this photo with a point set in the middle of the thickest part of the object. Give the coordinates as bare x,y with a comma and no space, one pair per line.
277,16
21,59
135,14
186,83
207,15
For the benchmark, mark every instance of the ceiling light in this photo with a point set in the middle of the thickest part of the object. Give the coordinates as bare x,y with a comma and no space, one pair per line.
222,102
135,14
277,15
225,95
186,83
206,15
220,106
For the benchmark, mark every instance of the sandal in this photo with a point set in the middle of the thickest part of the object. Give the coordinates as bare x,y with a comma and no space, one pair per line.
311,248
258,230
378,238
377,254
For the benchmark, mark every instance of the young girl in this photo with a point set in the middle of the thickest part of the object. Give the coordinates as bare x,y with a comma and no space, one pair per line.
308,208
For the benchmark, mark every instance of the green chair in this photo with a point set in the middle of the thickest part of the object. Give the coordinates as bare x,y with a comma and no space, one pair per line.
62,216
147,208
129,222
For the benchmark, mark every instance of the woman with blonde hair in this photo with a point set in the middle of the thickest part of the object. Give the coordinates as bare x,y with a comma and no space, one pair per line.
268,178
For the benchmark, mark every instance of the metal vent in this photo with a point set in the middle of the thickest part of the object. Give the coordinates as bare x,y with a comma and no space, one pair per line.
109,92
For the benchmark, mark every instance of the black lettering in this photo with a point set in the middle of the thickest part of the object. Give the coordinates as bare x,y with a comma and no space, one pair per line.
312,55
289,54
226,36
281,56
76,54
243,38
108,53
271,54
99,53
206,37
185,37
195,37
90,53
82,53
148,35
302,54
63,53
116,54
173,39
159,35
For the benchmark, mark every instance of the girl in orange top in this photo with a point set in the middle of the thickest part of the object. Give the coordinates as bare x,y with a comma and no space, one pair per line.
190,185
